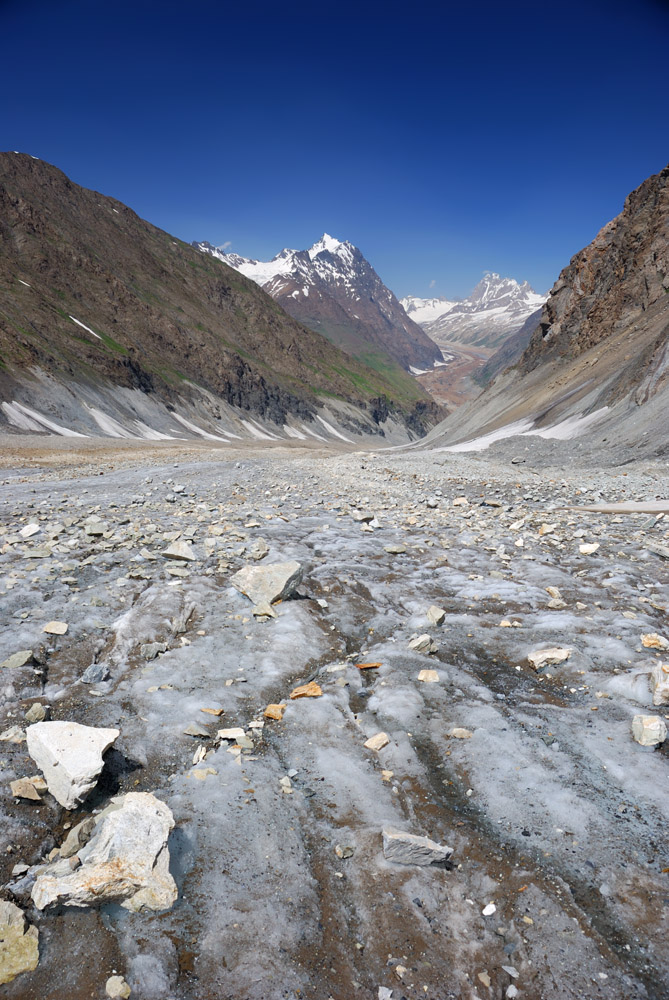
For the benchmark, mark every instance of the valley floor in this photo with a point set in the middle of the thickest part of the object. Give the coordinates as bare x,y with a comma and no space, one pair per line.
555,815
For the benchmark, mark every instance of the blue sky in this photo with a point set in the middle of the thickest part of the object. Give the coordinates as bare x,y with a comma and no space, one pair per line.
444,140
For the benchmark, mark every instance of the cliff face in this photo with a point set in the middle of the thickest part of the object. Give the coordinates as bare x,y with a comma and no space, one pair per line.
613,284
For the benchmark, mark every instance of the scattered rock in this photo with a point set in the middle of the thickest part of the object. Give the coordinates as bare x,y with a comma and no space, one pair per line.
587,548
268,584
436,615
194,729
488,910
428,676
126,860
179,550
410,849
344,852
69,756
55,628
234,734
150,650
310,690
274,712
651,640
542,657
264,610
78,836
19,943
13,735
659,683
459,733
18,659
96,673
395,549
37,712
24,788
258,549
423,644
377,742
368,666
649,730
117,988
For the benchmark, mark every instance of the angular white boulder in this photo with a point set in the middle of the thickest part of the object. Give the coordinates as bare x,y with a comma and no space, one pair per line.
542,657
659,684
126,860
423,644
649,730
410,849
69,756
436,615
267,584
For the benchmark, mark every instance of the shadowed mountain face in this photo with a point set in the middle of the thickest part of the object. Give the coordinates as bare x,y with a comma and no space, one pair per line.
334,290
599,356
92,294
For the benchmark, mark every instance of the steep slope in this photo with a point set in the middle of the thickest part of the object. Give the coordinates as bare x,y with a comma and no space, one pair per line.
598,359
497,308
95,296
511,350
334,290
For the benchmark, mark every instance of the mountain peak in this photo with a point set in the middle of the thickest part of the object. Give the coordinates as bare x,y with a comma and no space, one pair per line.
326,242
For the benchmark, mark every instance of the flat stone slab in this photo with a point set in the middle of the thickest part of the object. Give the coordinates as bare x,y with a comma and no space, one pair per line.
69,756
410,849
126,861
539,658
267,584
18,659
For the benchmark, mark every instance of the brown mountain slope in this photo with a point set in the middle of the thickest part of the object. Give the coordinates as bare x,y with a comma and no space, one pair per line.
155,314
601,349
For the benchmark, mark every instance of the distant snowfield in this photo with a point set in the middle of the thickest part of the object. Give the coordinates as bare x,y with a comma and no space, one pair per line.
565,430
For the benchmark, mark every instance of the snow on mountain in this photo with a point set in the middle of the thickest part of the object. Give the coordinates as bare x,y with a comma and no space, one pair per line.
333,289
497,308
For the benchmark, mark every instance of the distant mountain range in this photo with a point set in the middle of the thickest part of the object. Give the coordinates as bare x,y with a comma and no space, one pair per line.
496,309
334,290
109,325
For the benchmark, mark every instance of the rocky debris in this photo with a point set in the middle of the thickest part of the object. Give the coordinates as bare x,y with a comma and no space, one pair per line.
258,549
28,788
13,735
310,690
659,683
489,909
264,610
423,644
344,851
18,659
652,640
126,861
274,711
377,742
411,849
539,658
649,730
428,676
55,628
395,549
179,550
19,943
368,666
268,584
588,548
459,733
436,615
117,988
233,734
150,650
37,713
77,837
69,756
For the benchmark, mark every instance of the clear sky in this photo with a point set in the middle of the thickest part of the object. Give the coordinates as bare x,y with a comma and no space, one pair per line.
442,139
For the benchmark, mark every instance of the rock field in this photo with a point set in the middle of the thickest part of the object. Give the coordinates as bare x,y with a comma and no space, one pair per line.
458,656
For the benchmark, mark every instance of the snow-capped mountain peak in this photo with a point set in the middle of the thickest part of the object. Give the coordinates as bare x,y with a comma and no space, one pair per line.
496,308
333,289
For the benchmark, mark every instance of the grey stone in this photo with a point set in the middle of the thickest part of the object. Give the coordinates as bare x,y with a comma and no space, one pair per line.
179,550
126,861
95,673
267,584
436,615
423,644
150,650
411,849
37,712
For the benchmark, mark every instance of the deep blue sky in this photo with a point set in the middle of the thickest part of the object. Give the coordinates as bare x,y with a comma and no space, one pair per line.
443,139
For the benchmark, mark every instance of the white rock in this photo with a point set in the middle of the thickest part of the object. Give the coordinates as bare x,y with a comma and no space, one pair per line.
385,993
652,640
126,860
659,683
649,730
423,644
488,910
267,584
428,676
19,949
377,742
410,849
179,550
436,615
117,988
541,657
69,756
